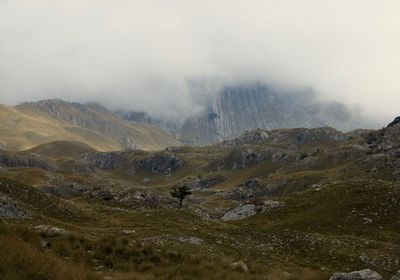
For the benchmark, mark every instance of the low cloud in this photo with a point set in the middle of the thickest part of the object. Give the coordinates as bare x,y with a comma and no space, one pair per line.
143,55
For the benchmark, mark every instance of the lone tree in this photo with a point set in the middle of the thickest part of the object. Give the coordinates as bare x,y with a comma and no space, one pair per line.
180,193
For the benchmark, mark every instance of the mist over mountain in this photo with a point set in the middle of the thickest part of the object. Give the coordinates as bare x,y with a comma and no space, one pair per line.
140,55
239,108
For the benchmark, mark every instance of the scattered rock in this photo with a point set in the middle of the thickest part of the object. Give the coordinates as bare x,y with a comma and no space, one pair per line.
239,266
272,204
244,211
190,240
104,194
366,274
146,180
367,221
249,189
397,276
296,136
128,231
109,278
143,199
9,209
66,190
205,183
50,230
159,163
104,160
24,159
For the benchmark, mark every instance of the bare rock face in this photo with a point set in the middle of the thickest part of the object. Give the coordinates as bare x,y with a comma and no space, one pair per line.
366,274
242,108
9,209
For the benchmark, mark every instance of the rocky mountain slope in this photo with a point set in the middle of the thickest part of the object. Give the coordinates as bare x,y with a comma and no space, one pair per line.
301,203
31,124
243,108
237,109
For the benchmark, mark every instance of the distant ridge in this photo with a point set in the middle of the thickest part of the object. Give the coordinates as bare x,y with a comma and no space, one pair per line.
31,124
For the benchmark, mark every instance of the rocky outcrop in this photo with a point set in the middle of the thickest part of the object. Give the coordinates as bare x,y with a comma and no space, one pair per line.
50,230
66,190
137,199
366,274
9,209
159,163
204,183
103,160
241,212
143,199
12,160
247,156
289,138
104,194
249,189
244,211
383,149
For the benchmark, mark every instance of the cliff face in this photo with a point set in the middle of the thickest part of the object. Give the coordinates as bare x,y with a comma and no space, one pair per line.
239,109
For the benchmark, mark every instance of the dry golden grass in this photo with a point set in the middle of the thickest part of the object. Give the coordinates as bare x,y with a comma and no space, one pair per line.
19,260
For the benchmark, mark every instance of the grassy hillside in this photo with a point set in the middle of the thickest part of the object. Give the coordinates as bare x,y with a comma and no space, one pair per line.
96,214
32,124
61,149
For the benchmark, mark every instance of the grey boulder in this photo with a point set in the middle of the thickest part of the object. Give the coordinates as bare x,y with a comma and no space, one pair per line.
366,274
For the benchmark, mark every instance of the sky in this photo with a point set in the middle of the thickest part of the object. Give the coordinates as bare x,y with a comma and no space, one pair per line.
140,55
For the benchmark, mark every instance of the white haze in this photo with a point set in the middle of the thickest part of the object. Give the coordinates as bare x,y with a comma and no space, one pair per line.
140,55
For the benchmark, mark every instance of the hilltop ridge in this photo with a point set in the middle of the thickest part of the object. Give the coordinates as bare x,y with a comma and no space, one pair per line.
31,124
